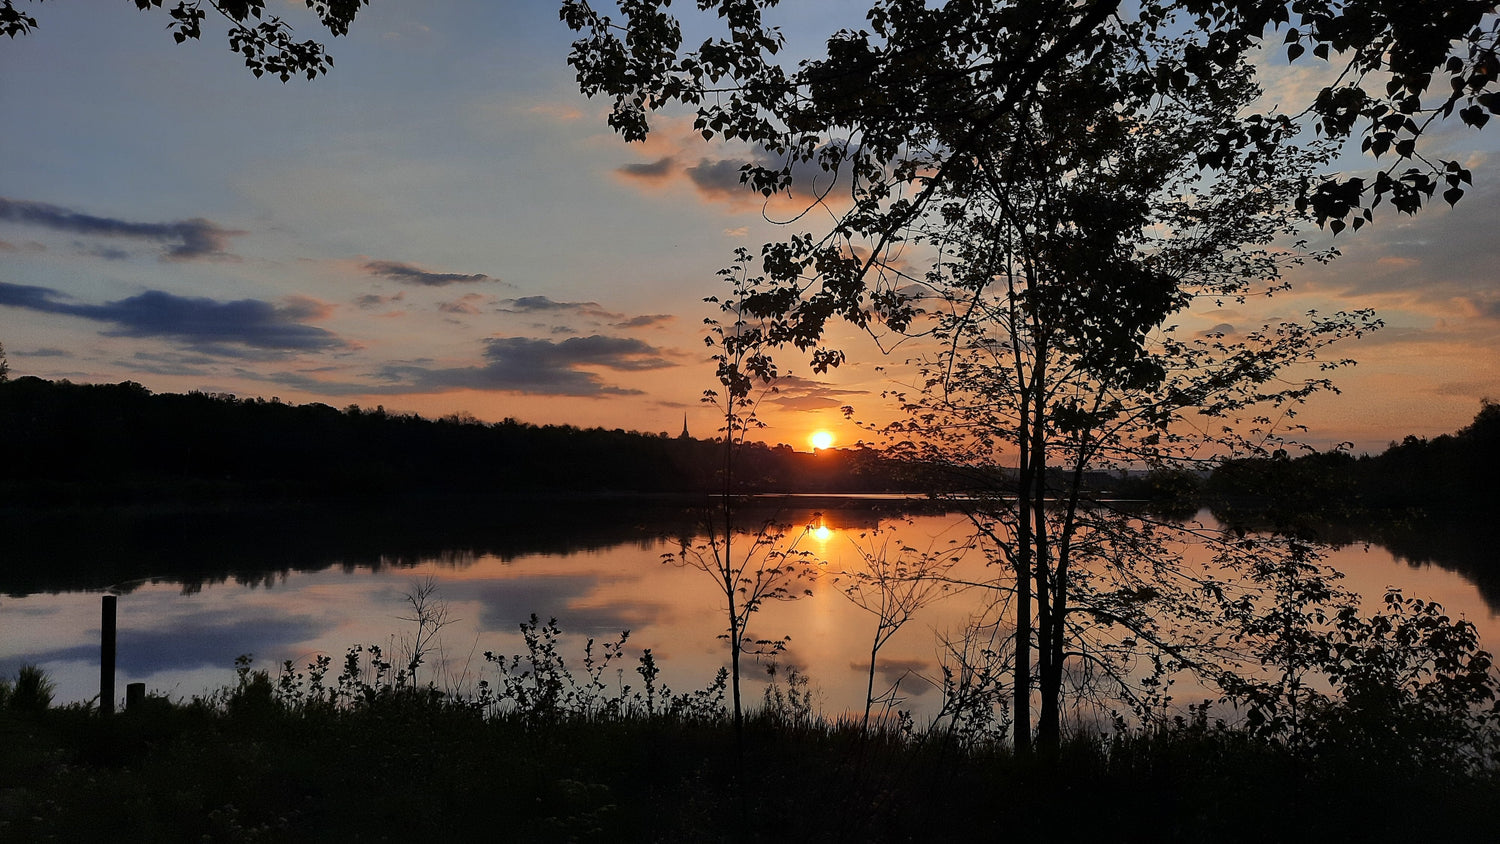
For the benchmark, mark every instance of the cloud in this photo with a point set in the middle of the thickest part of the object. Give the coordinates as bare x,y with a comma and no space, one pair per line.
196,640
107,253
669,161
556,111
411,274
909,673
542,305
802,394
171,364
644,321
370,300
467,304
1439,263
719,177
650,171
408,33
202,323
29,246
183,240
527,365
507,603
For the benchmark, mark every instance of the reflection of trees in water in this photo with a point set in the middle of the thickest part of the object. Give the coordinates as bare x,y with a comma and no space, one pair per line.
1454,540
1460,543
261,546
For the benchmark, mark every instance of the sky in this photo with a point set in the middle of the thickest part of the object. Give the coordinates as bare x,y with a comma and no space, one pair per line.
443,224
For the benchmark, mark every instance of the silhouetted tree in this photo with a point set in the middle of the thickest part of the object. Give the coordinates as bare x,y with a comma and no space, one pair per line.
908,102
1037,150
256,33
766,569
1049,297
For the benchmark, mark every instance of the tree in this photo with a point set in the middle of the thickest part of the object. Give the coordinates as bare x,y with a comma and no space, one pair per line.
766,570
263,40
905,107
892,584
1079,176
4,365
1051,287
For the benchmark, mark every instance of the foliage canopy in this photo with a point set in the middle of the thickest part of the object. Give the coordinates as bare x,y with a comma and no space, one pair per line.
263,40
906,106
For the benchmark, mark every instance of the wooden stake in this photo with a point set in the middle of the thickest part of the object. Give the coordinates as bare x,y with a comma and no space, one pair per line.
107,656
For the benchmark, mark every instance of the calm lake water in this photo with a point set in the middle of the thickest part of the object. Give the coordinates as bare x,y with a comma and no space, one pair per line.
195,593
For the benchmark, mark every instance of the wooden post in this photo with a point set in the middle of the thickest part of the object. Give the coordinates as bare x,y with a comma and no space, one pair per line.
107,656
135,696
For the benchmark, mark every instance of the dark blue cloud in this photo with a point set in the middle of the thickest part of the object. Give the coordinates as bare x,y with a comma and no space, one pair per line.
544,305
183,239
409,274
539,367
202,323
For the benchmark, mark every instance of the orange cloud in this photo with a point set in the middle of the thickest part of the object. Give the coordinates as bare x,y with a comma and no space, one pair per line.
559,112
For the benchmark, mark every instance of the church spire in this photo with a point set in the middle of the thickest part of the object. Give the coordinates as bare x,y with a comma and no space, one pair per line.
684,435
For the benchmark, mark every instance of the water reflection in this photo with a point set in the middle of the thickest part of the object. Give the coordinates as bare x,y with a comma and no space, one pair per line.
282,586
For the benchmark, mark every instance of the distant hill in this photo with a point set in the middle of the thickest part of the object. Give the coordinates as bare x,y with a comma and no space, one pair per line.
71,443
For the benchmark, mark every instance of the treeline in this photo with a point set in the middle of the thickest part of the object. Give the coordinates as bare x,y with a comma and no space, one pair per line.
95,443
1453,473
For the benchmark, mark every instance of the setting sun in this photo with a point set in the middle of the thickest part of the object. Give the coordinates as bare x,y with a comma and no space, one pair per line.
821,439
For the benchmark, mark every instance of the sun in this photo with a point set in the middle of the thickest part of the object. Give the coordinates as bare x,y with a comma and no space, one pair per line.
821,439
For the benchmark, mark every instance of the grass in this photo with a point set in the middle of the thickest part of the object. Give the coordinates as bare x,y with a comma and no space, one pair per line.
413,765
552,754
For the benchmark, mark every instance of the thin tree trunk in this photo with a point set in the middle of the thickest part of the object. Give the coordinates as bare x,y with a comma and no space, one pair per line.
870,681
1022,701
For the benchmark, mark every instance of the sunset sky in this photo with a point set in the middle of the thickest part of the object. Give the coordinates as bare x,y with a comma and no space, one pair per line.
444,224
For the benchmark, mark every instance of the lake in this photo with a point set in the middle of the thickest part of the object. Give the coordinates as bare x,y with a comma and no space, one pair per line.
197,589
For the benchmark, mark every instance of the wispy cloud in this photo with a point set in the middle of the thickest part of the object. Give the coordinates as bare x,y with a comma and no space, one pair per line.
182,239
412,274
560,112
1439,263
534,366
200,322
803,394
544,305
371,300
466,305
643,321
675,160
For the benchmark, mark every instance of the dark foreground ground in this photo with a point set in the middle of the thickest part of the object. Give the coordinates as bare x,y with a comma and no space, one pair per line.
242,767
